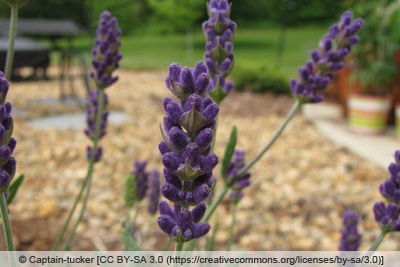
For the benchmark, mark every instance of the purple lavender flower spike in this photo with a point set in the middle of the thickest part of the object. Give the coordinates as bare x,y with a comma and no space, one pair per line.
326,60
7,143
350,237
153,192
219,30
142,178
390,190
106,55
91,111
241,182
188,130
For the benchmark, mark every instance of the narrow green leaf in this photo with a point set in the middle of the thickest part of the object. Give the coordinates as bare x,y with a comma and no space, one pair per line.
12,190
130,243
229,150
130,190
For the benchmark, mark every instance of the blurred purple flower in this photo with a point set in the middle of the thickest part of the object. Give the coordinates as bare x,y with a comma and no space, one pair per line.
141,178
106,55
140,184
91,113
390,189
154,191
327,59
7,143
240,182
188,131
350,237
219,30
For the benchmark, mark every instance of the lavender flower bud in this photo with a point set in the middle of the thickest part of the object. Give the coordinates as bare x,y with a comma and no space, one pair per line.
98,153
387,214
219,31
350,237
180,224
328,59
106,55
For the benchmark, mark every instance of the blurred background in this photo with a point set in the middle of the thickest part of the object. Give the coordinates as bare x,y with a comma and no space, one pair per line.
273,38
156,31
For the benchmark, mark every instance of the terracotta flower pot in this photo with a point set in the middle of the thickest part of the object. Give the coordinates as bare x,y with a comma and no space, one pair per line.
368,114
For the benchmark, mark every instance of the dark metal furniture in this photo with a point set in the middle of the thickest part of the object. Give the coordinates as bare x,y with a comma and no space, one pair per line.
30,53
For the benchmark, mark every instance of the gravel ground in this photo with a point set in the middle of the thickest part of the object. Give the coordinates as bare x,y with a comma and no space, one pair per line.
299,189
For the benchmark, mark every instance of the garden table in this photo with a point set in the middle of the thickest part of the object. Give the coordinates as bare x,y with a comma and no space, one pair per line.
52,30
28,53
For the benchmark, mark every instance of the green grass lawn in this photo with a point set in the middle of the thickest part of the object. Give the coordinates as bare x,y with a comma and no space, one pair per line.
252,47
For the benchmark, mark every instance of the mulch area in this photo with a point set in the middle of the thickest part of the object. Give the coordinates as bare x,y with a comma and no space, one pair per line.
299,188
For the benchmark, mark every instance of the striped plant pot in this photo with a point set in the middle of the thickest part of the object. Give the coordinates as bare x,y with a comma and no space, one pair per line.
368,114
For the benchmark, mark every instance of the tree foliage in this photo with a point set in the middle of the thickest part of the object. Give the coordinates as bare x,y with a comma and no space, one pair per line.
179,15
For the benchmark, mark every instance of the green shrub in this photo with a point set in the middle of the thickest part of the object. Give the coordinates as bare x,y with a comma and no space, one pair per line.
260,80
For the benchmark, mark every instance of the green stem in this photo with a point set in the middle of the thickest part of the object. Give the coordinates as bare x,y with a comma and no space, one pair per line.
7,230
128,225
379,239
6,223
211,209
69,218
296,106
178,246
10,50
88,178
232,226
83,208
215,203
11,39
177,251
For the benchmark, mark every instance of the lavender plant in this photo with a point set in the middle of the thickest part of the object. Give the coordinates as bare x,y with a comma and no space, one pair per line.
106,57
188,132
314,77
139,185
